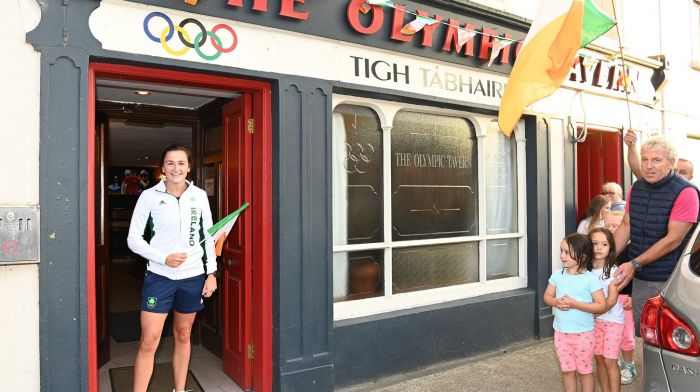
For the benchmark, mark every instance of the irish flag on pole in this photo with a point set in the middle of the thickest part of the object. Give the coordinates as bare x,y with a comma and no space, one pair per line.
560,28
221,229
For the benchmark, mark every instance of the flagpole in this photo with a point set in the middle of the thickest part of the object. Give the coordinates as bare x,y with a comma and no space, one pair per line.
624,66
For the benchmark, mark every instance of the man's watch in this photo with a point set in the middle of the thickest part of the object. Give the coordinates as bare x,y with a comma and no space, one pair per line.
637,267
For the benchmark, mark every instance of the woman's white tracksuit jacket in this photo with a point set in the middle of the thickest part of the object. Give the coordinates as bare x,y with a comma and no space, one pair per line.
163,224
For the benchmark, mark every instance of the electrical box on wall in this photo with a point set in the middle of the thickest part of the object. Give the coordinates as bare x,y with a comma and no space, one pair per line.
19,234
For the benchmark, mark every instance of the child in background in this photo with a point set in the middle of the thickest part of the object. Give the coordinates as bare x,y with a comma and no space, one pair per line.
610,325
575,294
628,369
595,213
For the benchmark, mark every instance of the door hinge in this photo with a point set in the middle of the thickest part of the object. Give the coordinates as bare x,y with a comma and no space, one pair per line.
251,125
251,351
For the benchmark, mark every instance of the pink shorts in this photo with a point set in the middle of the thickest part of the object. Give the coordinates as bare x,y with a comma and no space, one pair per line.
608,339
628,342
575,351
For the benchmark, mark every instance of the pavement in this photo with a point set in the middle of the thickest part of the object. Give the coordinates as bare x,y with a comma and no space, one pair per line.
532,366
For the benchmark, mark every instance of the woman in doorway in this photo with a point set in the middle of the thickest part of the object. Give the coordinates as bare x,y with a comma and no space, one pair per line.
167,229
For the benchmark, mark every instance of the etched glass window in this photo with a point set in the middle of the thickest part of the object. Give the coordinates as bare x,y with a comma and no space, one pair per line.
357,176
501,182
433,177
427,206
428,267
502,258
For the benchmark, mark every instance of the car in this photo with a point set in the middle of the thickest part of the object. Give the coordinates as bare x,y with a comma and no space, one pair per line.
670,327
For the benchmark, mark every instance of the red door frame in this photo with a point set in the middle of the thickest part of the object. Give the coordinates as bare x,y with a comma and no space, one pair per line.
261,207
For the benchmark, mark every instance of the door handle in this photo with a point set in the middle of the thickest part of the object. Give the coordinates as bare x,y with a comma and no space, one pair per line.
230,262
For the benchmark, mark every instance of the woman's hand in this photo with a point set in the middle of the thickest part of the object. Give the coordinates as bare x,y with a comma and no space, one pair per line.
175,260
209,286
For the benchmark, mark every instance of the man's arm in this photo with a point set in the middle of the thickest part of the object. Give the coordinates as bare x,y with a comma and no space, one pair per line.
672,240
633,160
622,235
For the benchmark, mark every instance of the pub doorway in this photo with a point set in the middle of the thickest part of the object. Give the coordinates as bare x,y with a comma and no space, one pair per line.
599,159
134,119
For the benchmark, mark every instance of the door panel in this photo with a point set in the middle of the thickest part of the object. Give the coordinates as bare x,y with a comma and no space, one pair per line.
598,160
101,244
210,319
237,257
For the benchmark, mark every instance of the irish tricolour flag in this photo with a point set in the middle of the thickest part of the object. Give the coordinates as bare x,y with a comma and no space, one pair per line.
560,28
221,229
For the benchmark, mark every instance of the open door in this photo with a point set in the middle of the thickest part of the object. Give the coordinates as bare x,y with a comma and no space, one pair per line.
101,244
238,350
598,160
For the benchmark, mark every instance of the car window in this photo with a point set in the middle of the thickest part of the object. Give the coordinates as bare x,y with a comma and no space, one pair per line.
695,255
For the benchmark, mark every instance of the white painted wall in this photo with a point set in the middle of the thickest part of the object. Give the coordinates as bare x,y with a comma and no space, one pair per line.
678,32
523,8
19,150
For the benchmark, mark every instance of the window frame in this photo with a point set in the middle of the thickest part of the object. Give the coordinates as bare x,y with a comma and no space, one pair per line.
386,111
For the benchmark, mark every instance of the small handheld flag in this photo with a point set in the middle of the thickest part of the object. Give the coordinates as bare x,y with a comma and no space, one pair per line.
220,230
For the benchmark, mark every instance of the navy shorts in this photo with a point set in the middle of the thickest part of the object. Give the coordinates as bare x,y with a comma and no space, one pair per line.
161,294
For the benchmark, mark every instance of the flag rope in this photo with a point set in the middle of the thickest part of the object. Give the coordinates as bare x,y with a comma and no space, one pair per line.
624,66
392,5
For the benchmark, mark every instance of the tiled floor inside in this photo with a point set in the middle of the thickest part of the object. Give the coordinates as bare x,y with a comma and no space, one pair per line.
203,364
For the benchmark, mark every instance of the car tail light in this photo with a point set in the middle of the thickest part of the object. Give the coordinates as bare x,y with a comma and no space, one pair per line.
660,327
648,323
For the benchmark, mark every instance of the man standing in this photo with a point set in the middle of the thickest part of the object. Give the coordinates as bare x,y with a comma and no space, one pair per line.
685,168
662,208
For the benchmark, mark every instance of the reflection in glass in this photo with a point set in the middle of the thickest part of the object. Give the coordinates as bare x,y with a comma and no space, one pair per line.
501,182
433,177
427,267
212,139
501,258
358,275
357,176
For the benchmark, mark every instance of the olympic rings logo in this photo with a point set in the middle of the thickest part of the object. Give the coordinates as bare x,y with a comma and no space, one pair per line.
199,41
358,157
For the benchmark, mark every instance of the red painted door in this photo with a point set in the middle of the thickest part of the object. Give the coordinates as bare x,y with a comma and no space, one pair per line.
598,160
238,350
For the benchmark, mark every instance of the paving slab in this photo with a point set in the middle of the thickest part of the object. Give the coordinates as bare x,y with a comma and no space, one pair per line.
531,366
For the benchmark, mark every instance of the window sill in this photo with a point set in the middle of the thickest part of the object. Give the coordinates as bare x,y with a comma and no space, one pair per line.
379,305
